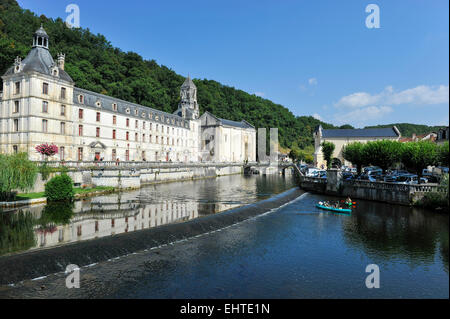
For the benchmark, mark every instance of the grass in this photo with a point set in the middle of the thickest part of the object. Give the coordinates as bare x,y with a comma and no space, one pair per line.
77,191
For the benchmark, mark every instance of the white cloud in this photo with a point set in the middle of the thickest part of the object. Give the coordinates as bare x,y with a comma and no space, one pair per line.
420,95
312,81
362,116
317,117
260,94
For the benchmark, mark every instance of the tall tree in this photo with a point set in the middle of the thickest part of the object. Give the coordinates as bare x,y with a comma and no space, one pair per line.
354,153
327,150
417,156
383,153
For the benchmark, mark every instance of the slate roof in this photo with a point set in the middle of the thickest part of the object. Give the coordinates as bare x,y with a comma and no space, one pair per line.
188,83
143,112
242,124
40,60
371,132
224,122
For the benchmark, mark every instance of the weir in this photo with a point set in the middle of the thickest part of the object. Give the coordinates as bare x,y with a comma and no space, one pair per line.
38,263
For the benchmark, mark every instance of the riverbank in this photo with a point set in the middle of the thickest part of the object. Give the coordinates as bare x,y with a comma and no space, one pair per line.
30,199
38,263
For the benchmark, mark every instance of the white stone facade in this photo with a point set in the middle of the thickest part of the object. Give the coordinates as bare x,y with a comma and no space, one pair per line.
40,104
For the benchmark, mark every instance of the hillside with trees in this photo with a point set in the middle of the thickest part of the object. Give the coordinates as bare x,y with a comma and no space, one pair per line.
94,64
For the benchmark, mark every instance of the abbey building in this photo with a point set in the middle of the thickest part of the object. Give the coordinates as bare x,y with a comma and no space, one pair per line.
41,104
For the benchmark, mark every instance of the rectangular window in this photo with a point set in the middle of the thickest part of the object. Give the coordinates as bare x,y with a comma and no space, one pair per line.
114,134
151,126
97,132
16,125
114,120
45,88
137,124
16,107
17,87
63,93
44,126
80,130
15,149
45,107
128,122
98,117
62,152
80,154
127,155
80,114
114,155
143,138
63,110
128,136
63,128
136,137
143,125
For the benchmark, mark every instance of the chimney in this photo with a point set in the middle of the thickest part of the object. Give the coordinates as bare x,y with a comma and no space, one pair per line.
61,60
414,137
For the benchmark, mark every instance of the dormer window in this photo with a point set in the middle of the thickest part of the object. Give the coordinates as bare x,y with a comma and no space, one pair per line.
114,106
136,112
98,104
127,111
81,99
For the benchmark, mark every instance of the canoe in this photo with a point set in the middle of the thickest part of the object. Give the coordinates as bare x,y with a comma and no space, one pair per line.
337,210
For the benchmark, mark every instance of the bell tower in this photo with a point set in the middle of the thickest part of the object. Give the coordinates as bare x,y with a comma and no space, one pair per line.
188,107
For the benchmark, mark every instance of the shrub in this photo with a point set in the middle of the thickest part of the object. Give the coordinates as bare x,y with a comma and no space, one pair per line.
17,172
60,188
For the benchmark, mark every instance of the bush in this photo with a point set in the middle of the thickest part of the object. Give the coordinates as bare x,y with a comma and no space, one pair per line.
60,188
17,172
437,200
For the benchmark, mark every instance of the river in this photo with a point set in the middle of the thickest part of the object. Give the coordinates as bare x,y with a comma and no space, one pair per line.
295,251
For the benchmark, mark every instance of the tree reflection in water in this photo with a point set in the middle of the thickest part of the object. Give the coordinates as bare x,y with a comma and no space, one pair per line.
55,214
16,232
386,231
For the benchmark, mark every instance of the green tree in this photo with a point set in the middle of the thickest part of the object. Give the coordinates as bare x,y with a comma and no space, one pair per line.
417,156
327,150
354,153
17,172
60,188
443,154
383,153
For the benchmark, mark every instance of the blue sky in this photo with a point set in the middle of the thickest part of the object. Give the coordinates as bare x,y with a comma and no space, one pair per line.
314,57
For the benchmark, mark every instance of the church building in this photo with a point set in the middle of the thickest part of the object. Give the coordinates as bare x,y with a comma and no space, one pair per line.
41,104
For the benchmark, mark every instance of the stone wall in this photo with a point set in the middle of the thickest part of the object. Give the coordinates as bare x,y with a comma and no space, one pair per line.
379,191
135,177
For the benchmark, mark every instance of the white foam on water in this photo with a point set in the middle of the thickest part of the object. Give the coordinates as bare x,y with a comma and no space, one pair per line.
39,278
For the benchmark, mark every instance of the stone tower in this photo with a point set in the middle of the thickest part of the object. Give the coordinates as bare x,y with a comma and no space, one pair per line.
188,107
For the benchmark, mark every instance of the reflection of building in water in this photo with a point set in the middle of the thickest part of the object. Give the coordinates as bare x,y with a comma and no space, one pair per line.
111,215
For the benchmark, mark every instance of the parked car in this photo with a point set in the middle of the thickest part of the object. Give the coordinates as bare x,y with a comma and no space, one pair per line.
312,171
348,176
431,178
410,179
366,177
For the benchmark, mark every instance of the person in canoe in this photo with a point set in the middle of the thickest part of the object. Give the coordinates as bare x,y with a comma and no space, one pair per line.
348,201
